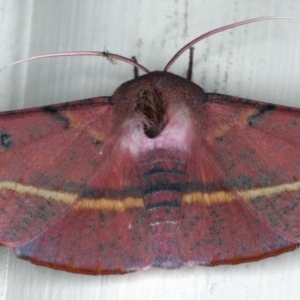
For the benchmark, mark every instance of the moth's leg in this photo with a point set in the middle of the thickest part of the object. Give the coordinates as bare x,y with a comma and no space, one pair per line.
135,69
189,72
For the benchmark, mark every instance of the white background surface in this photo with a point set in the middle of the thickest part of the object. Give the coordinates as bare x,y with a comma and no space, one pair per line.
260,61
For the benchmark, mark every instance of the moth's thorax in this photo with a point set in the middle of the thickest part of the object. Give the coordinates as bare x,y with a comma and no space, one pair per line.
175,135
157,111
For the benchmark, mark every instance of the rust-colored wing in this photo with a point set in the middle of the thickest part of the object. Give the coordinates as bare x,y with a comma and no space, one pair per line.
161,174
245,203
68,199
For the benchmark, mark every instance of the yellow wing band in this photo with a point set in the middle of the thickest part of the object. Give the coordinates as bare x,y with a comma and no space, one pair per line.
70,198
250,194
137,202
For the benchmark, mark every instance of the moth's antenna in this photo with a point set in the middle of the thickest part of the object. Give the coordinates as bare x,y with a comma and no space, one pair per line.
223,28
109,56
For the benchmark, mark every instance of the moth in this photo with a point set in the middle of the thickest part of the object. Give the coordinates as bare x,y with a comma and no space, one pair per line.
159,174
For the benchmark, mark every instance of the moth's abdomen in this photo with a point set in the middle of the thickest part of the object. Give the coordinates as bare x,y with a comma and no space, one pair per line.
161,174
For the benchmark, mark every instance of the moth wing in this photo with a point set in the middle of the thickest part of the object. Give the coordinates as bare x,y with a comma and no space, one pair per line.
68,198
243,201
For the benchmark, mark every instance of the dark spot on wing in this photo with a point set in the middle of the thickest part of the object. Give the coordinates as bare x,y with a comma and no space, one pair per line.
263,111
6,141
56,116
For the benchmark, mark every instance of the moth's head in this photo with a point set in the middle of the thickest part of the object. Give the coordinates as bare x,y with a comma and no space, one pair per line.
153,99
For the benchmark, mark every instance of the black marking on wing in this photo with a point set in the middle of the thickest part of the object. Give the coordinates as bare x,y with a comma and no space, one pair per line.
54,112
6,141
263,111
